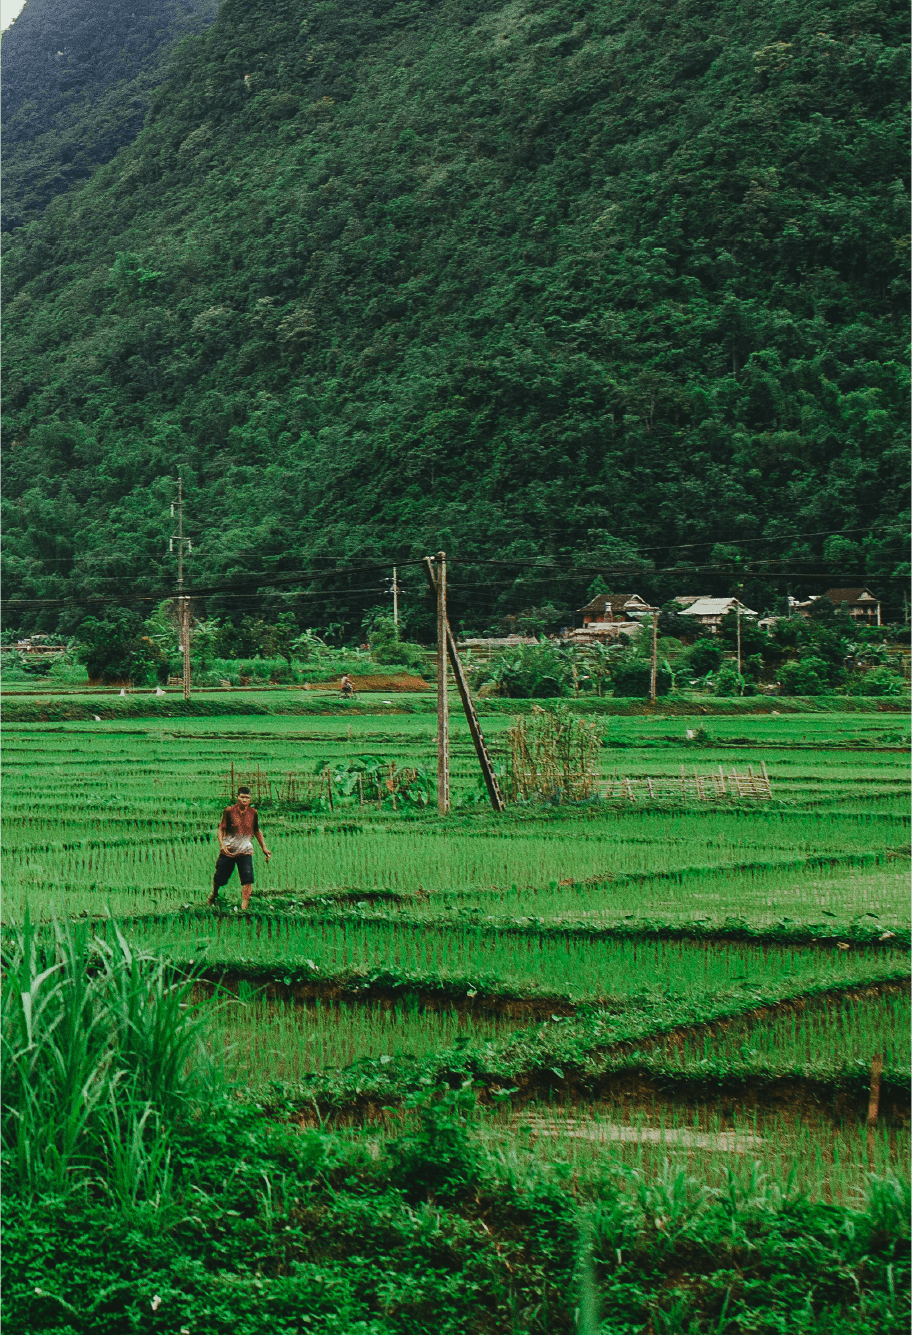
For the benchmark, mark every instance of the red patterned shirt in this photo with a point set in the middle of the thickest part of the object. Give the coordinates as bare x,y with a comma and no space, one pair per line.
238,828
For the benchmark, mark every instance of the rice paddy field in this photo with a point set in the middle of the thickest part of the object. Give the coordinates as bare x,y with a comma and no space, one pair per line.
702,983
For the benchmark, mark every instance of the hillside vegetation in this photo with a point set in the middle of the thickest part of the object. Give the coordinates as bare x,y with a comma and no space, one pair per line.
508,279
77,79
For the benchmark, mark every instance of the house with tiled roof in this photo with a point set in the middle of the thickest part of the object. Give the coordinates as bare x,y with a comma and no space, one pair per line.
609,615
616,607
861,604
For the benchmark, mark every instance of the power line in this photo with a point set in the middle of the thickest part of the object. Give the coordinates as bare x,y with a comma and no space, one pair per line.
416,561
119,599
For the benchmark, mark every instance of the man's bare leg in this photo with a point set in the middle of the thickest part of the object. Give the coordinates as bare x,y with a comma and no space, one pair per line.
246,892
213,898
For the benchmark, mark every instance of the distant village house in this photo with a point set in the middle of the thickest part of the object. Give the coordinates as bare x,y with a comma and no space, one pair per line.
709,612
610,615
861,604
40,644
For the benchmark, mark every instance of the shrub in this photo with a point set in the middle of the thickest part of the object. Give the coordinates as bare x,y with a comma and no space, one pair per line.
728,682
530,671
387,647
258,671
705,656
632,678
807,676
13,669
442,1155
68,673
113,648
879,681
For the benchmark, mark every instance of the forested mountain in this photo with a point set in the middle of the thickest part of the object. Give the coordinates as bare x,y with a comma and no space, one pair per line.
606,277
77,77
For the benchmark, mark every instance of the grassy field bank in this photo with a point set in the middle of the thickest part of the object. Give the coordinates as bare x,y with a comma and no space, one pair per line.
34,705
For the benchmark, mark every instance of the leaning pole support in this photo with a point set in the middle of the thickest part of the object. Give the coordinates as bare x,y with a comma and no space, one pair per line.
462,685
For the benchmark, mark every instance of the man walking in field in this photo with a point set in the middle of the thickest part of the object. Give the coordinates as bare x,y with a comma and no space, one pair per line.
238,828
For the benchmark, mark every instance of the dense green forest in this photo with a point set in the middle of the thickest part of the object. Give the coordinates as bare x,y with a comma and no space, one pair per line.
77,79
604,286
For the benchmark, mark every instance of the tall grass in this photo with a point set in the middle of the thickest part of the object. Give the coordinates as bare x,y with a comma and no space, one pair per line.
102,1052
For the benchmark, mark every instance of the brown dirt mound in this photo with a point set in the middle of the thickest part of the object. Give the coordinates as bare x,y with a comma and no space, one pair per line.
404,681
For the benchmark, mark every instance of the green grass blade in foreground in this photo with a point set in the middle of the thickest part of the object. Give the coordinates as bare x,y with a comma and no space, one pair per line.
101,1051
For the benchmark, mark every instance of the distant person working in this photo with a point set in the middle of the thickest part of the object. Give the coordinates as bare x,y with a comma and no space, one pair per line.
347,687
238,828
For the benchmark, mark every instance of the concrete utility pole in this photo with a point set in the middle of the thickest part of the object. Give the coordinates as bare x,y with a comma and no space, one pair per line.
183,604
653,663
395,600
738,613
443,719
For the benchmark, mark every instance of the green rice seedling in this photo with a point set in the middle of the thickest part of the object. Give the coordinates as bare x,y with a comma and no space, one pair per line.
829,1037
265,1041
498,959
795,892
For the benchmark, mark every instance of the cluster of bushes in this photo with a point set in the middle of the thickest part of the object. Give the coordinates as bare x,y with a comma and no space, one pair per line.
120,646
58,669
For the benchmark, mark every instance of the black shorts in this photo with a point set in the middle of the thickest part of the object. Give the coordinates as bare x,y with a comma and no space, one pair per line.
224,869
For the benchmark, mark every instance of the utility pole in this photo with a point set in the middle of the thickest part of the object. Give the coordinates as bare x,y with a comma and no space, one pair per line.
653,664
395,600
183,604
465,695
443,721
738,613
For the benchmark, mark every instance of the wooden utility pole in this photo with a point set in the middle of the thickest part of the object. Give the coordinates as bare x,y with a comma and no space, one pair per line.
183,604
653,662
874,1100
443,719
462,684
